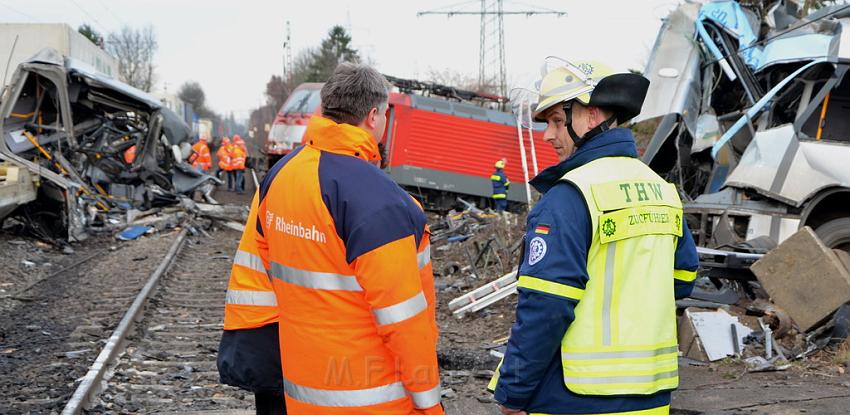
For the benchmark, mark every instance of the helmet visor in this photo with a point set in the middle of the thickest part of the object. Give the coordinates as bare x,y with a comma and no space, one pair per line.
523,101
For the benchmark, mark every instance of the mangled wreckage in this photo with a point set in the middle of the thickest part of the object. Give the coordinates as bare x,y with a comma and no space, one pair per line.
751,111
93,146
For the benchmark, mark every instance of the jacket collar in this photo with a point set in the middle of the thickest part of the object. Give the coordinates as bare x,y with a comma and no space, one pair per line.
326,135
616,142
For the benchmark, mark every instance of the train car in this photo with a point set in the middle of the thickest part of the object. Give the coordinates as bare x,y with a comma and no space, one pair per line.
440,149
291,121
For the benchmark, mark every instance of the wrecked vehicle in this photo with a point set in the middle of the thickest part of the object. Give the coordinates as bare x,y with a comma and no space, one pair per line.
97,146
749,105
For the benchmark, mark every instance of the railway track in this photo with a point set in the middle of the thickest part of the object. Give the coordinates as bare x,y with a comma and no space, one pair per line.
52,330
168,359
169,364
135,330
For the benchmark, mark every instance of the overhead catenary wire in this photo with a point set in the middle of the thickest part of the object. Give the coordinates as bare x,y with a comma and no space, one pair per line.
117,18
450,7
28,16
90,16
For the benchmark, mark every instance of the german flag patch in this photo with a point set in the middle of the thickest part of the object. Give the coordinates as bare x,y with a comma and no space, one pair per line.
542,229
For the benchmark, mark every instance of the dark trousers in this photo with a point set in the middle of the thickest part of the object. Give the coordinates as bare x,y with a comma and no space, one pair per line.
231,180
501,204
269,404
239,178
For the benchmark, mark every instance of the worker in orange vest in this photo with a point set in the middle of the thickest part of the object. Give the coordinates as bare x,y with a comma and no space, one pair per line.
224,162
349,261
237,140
238,160
130,154
201,158
248,355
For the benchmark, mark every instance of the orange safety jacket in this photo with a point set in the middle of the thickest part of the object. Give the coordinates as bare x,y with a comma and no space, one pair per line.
130,155
241,144
202,157
249,353
237,157
349,263
250,301
223,154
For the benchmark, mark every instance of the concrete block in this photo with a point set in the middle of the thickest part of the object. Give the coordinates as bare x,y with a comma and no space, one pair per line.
805,278
689,344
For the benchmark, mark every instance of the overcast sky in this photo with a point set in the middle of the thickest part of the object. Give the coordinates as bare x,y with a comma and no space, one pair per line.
233,47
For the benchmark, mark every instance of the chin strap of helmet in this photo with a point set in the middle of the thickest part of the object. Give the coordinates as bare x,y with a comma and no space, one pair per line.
599,129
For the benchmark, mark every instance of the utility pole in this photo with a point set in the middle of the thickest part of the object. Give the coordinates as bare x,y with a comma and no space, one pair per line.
491,52
287,56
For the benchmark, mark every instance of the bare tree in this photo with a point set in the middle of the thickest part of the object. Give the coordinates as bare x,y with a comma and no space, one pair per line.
276,91
135,49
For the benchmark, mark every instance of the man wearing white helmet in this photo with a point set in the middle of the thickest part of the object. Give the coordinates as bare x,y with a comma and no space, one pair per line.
606,254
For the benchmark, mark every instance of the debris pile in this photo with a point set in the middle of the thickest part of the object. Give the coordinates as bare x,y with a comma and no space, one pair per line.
474,255
87,150
788,304
473,246
747,105
747,116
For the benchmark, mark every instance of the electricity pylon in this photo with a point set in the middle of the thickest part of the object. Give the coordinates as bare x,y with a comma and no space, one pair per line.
491,52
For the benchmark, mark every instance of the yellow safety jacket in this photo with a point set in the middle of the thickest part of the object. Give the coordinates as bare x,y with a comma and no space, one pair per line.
623,339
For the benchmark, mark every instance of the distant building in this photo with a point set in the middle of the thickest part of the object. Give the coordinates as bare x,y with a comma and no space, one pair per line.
174,103
33,37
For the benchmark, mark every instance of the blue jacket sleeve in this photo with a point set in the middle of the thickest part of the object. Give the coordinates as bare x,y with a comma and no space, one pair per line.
685,264
556,244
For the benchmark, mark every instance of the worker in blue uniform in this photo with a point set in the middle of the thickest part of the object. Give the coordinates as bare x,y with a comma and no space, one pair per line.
607,251
500,186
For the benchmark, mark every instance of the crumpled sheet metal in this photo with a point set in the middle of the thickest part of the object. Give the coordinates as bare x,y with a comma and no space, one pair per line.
163,176
799,48
779,165
673,69
758,107
735,20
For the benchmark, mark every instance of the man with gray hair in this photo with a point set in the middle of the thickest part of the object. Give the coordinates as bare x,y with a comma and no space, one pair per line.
349,258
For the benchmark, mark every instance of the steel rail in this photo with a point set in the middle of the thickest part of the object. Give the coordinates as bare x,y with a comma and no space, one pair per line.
91,386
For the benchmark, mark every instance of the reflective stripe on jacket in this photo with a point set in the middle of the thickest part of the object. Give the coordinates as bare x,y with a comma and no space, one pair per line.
500,184
636,219
249,353
250,301
344,245
223,154
558,239
202,158
237,157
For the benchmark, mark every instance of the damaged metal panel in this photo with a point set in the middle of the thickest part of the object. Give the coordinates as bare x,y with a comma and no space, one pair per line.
799,49
775,154
738,22
673,70
17,187
85,134
844,42
778,165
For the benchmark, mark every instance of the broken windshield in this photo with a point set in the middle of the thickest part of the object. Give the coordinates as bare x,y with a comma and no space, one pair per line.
302,101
